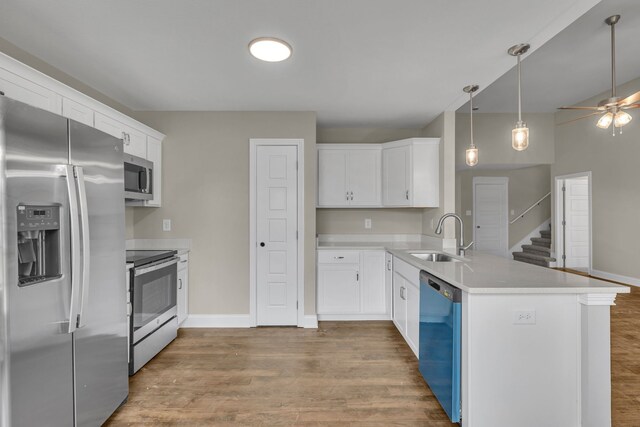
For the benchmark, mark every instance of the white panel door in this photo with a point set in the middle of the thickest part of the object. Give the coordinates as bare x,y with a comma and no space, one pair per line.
276,230
332,178
577,223
364,177
491,226
395,176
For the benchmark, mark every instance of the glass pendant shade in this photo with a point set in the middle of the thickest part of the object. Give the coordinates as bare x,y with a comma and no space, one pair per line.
605,121
520,137
472,156
622,118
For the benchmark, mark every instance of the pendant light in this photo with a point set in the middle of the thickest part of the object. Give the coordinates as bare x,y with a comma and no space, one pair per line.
471,156
520,134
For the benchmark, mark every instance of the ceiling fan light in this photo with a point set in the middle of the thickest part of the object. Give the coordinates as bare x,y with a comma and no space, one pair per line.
605,121
270,49
520,137
622,118
472,156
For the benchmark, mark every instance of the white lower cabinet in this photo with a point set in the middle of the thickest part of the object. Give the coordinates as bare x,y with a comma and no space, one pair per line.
352,285
406,302
183,288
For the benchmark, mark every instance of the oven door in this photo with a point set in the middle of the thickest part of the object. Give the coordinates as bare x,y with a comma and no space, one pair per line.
138,178
154,294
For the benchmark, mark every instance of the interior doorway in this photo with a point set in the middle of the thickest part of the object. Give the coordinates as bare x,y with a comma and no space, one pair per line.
490,215
276,244
573,222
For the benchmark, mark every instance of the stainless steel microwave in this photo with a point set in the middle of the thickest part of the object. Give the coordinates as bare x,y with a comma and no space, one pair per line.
138,178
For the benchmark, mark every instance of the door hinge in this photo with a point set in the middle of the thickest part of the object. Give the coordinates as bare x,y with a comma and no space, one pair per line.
296,305
296,165
296,234
564,257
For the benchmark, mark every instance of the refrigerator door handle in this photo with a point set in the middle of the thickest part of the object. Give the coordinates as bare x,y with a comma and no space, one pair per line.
72,191
86,249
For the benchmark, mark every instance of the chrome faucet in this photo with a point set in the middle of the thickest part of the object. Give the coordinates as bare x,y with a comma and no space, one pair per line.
462,248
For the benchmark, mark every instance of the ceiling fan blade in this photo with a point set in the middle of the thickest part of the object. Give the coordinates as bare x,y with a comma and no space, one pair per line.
629,107
632,99
578,108
579,118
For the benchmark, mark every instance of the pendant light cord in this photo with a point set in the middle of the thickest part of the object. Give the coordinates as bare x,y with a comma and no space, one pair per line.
471,117
613,60
519,91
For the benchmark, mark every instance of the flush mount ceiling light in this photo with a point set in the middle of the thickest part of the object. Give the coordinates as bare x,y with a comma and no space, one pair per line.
613,108
471,156
270,49
520,134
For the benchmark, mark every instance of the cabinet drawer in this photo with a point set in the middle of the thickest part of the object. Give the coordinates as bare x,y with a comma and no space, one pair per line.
338,257
183,264
406,270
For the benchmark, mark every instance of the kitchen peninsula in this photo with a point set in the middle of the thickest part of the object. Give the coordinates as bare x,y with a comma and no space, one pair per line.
535,346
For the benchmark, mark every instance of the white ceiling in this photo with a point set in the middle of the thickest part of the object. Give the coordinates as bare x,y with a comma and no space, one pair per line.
378,63
571,67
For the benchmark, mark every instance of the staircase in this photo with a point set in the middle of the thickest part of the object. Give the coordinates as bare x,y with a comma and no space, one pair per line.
538,252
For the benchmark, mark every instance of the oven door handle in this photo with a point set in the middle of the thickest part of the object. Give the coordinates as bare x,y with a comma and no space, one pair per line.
155,266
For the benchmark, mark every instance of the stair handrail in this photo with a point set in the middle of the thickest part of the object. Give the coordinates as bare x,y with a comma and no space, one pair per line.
530,207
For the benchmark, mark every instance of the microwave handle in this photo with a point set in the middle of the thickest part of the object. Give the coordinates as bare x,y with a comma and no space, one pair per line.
142,180
148,186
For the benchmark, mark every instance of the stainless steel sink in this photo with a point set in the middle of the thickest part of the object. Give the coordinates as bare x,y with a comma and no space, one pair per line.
434,257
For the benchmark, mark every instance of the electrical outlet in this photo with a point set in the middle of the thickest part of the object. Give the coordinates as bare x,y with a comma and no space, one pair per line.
524,317
166,225
367,223
468,213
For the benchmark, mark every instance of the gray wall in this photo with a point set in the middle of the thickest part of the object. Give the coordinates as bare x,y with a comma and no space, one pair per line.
351,221
526,186
613,161
206,195
492,136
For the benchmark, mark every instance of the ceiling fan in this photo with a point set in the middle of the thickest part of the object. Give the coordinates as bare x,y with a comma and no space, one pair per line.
612,109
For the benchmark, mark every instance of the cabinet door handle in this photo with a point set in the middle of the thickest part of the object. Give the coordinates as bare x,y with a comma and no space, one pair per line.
402,292
406,195
338,257
389,265
352,195
180,280
183,261
357,276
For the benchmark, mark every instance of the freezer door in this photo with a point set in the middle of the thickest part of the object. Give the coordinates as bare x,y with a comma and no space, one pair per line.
36,375
100,343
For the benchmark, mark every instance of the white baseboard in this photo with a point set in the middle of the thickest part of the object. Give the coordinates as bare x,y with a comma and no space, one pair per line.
634,281
217,321
527,239
233,321
348,317
310,321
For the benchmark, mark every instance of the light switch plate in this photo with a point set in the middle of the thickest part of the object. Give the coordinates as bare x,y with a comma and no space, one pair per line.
367,223
166,225
468,213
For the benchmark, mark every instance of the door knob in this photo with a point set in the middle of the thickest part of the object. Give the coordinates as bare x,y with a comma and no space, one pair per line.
477,226
262,244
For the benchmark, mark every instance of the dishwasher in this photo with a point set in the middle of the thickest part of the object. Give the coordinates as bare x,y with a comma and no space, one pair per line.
440,341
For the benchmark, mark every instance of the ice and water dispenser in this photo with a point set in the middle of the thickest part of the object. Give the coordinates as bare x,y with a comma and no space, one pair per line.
38,243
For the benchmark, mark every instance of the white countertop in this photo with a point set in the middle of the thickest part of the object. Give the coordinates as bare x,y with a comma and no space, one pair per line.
183,246
489,274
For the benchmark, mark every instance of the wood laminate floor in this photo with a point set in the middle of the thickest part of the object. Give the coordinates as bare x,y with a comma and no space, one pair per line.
344,373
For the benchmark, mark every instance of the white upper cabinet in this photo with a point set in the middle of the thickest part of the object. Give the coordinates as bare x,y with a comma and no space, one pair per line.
349,175
23,90
411,173
75,111
402,173
133,140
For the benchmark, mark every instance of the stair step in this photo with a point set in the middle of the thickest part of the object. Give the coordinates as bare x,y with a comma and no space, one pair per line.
538,250
541,241
545,233
533,258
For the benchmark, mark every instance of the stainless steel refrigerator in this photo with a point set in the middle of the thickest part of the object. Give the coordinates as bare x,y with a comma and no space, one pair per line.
63,329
